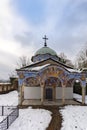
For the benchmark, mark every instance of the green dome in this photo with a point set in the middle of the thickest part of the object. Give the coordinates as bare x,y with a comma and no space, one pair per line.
46,50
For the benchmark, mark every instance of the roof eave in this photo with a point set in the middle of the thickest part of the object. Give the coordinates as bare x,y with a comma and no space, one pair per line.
32,65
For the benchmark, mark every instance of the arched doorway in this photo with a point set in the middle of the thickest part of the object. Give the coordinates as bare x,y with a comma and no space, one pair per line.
77,88
50,88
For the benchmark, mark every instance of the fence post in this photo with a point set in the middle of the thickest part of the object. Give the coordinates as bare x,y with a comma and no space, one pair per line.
7,122
2,110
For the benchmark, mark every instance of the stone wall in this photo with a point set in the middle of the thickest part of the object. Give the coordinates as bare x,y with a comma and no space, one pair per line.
7,87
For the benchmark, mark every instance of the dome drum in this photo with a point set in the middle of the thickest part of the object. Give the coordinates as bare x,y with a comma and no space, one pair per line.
43,54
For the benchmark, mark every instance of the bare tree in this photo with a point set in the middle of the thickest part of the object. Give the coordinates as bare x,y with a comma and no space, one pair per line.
65,60
82,58
63,57
23,61
12,74
69,63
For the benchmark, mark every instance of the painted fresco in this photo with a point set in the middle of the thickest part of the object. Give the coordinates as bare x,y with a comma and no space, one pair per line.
62,74
23,75
31,82
52,81
35,78
54,71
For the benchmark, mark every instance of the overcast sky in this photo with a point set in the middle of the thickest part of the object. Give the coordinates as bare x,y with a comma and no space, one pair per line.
23,23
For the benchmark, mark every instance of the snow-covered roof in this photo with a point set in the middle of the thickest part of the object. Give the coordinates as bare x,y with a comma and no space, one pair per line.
38,67
4,83
74,70
29,67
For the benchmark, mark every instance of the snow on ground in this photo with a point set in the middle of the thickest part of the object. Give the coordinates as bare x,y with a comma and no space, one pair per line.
74,118
2,118
79,97
29,119
9,99
32,119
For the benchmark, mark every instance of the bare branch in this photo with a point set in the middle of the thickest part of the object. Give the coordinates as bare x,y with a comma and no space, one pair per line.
23,61
82,58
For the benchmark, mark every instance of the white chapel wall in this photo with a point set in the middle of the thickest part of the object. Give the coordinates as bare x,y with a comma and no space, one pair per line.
32,93
68,93
35,93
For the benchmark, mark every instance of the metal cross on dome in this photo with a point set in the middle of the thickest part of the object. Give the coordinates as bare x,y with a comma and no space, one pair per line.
45,39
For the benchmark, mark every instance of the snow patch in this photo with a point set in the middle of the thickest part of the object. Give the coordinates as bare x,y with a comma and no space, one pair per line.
74,118
79,97
29,119
10,99
32,119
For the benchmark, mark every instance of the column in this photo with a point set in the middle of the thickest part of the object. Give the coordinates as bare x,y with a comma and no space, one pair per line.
22,92
63,94
83,95
42,93
20,95
54,93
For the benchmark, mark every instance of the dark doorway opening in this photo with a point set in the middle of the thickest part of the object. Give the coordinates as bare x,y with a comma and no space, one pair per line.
49,94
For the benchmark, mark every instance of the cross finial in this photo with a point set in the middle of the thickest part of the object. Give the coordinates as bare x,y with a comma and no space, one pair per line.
45,39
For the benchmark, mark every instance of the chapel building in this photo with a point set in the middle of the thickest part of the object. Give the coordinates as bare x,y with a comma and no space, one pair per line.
47,78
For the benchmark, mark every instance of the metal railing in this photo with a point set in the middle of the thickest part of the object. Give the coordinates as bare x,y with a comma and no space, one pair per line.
9,114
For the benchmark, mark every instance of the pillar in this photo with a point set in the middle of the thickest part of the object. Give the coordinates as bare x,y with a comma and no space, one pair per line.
83,95
42,93
22,92
63,94
54,93
20,95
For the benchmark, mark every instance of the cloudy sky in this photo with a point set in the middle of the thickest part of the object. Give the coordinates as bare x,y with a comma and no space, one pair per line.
23,23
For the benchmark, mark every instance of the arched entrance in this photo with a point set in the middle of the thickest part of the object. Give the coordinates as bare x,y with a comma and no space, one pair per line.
50,88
